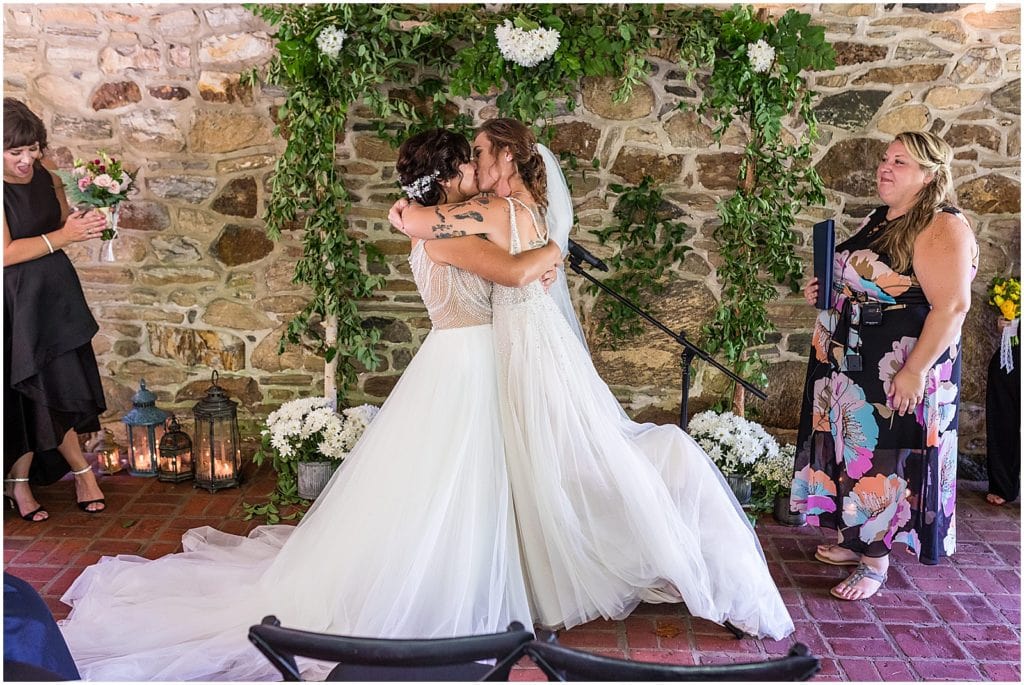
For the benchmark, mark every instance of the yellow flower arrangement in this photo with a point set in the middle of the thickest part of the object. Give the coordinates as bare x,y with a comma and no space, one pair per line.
1004,295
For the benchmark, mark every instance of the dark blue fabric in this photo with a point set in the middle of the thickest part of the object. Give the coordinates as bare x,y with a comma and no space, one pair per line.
31,636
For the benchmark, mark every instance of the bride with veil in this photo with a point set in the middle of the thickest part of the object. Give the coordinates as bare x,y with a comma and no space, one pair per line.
414,536
610,513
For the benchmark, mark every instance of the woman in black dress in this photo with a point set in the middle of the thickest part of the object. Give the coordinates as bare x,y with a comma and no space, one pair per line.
52,389
877,445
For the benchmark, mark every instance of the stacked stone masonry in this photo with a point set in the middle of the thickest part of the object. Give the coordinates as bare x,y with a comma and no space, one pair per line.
197,285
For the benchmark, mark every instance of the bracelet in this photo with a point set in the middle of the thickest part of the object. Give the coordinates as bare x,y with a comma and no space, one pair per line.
46,240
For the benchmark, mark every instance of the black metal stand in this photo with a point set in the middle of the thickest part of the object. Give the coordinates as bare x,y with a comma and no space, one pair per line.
689,349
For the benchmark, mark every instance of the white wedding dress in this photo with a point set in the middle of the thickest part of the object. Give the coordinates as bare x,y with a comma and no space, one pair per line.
610,512
413,537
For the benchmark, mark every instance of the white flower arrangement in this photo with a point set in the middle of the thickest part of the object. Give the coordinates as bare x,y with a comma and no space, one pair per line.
526,48
775,474
308,429
330,40
761,56
735,444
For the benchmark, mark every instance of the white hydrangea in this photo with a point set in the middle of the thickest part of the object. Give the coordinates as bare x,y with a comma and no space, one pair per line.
526,48
330,40
309,428
735,444
761,56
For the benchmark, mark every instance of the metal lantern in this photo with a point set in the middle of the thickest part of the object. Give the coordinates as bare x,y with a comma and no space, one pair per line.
108,454
145,427
217,453
175,463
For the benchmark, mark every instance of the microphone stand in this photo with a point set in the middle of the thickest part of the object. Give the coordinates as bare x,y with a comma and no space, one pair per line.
689,349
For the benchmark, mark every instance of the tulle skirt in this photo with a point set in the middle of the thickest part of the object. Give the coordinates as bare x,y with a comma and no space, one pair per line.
610,512
413,537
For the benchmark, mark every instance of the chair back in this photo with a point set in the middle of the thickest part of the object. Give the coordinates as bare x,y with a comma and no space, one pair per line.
376,659
563,664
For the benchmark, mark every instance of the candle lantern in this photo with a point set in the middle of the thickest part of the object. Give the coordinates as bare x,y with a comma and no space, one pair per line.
217,455
108,454
145,428
175,463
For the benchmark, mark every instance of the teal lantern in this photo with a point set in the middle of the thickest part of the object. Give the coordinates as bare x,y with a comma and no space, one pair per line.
145,428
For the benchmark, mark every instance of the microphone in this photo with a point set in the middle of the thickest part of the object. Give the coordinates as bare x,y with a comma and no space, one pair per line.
579,253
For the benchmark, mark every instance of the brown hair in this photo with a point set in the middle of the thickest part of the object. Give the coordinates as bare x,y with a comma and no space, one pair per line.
935,156
519,140
21,126
435,153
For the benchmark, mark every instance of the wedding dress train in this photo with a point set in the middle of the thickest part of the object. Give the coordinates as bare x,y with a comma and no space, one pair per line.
414,535
610,512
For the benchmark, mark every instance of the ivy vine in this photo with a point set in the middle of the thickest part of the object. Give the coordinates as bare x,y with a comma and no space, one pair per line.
650,243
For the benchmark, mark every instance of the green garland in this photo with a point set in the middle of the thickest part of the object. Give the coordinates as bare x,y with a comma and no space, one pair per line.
405,62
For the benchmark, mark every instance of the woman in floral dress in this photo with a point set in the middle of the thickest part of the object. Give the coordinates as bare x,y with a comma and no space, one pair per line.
877,446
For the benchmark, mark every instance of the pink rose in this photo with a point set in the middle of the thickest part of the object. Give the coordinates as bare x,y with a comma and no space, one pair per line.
84,183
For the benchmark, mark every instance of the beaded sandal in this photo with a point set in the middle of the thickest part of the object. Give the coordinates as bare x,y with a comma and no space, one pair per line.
9,496
84,506
860,573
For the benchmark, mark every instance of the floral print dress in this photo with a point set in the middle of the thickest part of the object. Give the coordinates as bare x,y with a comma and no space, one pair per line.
877,477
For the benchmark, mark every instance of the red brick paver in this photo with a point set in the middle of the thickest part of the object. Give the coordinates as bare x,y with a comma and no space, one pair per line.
959,620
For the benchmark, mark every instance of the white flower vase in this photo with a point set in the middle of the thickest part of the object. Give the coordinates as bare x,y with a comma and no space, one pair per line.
109,233
313,476
740,486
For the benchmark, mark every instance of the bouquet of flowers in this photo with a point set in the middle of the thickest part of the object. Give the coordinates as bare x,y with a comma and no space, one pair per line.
1004,295
102,183
735,444
309,429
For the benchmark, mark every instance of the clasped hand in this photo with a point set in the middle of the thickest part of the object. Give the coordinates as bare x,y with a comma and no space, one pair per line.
907,391
84,225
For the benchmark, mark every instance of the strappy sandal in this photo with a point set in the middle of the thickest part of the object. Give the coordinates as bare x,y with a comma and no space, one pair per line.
994,499
9,496
84,506
862,571
834,562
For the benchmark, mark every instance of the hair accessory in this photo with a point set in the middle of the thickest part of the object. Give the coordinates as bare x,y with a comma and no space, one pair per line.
46,240
417,188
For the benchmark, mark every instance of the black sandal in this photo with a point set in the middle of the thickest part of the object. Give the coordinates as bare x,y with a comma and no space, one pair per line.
84,505
30,516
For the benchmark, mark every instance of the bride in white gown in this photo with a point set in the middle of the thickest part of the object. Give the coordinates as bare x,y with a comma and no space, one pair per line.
414,536
610,513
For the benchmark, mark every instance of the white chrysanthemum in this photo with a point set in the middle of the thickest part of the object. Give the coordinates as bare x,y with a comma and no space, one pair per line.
761,56
309,428
733,443
330,40
526,48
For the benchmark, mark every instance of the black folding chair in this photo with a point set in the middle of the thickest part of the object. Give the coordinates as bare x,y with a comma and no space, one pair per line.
375,660
563,664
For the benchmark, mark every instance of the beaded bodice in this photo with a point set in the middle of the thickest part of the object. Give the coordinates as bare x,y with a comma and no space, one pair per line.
508,295
454,298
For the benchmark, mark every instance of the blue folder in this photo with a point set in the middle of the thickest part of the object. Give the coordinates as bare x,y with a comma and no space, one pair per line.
824,257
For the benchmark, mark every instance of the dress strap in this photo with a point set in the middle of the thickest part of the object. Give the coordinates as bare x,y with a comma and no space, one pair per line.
537,222
514,245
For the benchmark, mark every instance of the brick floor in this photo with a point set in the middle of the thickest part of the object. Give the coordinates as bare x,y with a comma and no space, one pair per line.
959,620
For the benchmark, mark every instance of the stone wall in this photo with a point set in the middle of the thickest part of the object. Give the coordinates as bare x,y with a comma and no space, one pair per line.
197,286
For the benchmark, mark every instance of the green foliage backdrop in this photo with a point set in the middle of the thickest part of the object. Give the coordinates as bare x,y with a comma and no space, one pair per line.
406,62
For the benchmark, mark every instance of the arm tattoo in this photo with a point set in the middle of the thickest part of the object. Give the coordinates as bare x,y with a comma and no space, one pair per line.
444,229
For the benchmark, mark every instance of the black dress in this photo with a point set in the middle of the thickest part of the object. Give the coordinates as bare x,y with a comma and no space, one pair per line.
877,477
1002,421
51,381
